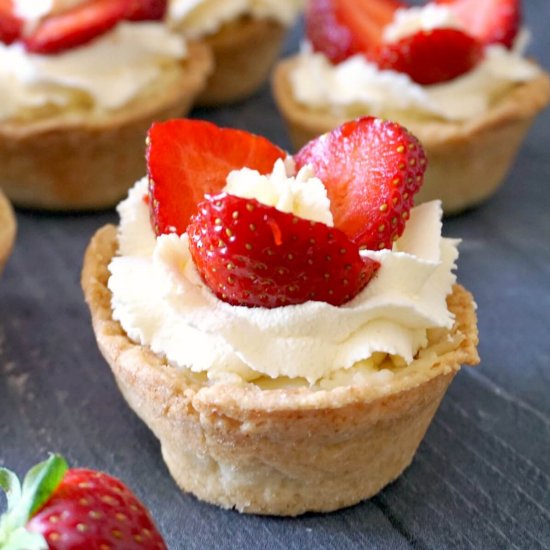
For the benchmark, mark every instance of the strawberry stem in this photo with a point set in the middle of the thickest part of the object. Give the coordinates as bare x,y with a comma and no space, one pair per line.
39,484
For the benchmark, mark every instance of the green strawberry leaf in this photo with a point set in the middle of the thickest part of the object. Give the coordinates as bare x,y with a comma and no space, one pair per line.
9,483
40,482
38,485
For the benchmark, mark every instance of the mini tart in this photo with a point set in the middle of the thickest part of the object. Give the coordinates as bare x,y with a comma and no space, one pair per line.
7,230
83,161
467,161
244,52
282,451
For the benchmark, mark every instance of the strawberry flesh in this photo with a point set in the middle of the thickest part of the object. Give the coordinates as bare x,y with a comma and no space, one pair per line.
431,57
371,169
187,159
366,19
90,509
76,26
326,34
11,26
490,21
252,255
146,10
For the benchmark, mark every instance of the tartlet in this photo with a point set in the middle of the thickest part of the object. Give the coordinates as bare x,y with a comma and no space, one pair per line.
82,82
468,160
7,230
282,451
244,53
84,161
267,423
244,38
450,71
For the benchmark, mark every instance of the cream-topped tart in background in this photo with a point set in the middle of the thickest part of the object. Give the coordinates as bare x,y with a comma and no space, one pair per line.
470,98
271,318
7,230
80,83
245,37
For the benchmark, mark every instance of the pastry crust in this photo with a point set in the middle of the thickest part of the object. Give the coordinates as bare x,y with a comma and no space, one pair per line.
284,451
83,161
244,52
467,161
7,230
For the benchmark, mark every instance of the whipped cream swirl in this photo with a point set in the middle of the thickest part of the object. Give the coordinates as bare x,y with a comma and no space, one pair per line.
161,302
105,74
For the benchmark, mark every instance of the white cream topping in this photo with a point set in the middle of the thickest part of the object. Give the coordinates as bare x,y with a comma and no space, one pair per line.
161,302
203,17
303,195
108,72
356,86
408,21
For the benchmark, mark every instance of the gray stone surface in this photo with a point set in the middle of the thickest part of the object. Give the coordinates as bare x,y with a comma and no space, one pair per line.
481,477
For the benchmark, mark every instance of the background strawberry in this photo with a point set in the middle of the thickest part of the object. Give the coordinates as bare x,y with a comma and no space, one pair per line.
76,509
371,169
187,159
255,255
366,19
429,57
326,34
10,25
490,21
84,22
146,10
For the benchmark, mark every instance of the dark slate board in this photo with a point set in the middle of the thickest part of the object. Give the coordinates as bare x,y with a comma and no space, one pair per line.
481,477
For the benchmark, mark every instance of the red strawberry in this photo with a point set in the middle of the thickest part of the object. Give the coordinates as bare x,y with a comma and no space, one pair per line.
489,21
326,34
371,169
255,255
429,57
366,19
11,26
146,10
76,26
187,159
73,509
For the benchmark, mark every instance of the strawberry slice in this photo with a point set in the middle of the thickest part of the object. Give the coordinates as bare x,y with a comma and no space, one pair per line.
490,21
11,26
366,19
187,159
255,255
326,34
430,57
371,169
76,26
146,10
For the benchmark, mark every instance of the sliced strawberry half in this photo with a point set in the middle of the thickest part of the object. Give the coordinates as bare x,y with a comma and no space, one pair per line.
11,26
146,10
366,19
430,57
251,254
371,169
187,159
490,21
76,26
326,34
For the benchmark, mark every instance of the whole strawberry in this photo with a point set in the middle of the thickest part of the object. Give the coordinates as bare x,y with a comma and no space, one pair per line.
62,509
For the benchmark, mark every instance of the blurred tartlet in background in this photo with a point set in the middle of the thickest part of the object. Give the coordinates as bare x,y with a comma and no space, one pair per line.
245,37
469,98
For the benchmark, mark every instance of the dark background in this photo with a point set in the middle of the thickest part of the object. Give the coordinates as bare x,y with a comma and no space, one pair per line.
481,477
